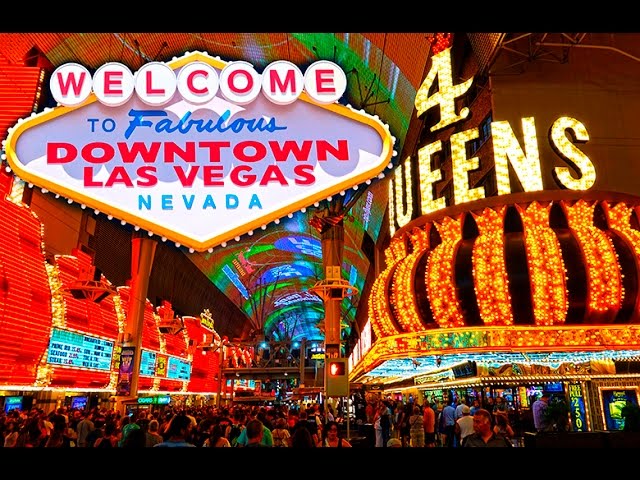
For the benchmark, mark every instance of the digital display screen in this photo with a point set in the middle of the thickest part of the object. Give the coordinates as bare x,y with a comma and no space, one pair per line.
554,387
79,350
178,369
282,262
613,403
11,403
244,384
79,402
368,212
148,363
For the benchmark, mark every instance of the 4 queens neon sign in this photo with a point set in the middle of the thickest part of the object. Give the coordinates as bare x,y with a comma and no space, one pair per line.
198,82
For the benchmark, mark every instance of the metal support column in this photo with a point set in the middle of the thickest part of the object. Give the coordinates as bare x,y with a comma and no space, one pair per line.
142,253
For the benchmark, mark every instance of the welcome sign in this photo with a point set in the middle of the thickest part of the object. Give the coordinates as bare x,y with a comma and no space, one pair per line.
198,150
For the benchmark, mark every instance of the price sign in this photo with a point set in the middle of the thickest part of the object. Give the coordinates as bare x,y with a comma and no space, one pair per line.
74,349
178,369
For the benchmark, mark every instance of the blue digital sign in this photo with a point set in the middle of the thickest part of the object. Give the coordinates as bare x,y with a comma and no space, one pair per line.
11,403
148,363
300,244
79,402
178,369
74,349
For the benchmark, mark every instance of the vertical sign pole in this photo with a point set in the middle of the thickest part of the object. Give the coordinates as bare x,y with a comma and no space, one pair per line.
142,253
348,406
332,253
220,372
303,358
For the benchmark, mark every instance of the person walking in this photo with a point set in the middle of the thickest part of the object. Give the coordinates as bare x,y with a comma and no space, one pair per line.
178,433
464,425
539,409
429,423
416,428
152,436
449,424
84,427
483,435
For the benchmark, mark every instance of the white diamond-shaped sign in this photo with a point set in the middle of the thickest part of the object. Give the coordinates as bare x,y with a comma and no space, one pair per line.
199,174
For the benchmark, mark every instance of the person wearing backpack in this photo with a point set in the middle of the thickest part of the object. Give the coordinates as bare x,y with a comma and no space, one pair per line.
281,434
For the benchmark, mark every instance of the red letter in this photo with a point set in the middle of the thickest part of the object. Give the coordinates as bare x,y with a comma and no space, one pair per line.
273,174
321,79
304,174
107,152
211,173
246,181
249,78
88,178
186,180
240,154
290,78
112,79
71,79
147,176
214,149
190,84
300,152
119,175
69,152
148,153
150,90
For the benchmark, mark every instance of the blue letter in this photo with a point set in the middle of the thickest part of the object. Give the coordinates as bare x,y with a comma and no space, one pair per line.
188,203
255,201
142,201
167,202
208,202
231,196
137,121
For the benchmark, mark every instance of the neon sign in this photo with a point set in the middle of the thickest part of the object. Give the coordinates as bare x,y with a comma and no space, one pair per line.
191,151
578,411
579,175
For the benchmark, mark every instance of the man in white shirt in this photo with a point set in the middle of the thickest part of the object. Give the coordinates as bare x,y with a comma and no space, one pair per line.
462,403
464,425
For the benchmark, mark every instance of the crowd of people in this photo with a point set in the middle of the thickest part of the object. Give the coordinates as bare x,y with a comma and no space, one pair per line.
395,424
452,424
206,427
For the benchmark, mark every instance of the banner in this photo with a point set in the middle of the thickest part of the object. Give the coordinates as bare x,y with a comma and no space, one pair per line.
125,372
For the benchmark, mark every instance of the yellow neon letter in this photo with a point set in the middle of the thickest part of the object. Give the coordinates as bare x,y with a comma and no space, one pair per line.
461,165
506,148
447,92
428,177
568,151
403,189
